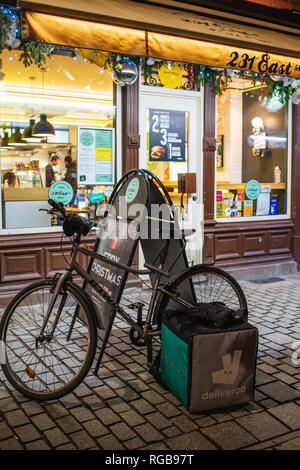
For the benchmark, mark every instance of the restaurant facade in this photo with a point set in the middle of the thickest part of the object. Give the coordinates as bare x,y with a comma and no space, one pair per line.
202,98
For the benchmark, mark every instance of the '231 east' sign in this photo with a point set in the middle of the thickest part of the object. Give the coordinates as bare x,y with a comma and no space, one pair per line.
263,63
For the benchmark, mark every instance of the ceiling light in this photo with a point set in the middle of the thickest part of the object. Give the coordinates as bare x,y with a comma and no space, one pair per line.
43,127
16,138
27,133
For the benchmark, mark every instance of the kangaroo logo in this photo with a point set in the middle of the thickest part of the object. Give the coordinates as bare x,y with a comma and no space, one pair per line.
229,373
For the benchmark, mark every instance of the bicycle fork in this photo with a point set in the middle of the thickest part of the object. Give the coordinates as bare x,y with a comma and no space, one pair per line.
54,297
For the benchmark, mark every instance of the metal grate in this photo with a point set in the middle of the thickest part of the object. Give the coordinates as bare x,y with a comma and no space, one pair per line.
268,280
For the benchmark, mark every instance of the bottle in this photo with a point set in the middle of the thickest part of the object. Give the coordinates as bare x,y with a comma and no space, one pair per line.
277,174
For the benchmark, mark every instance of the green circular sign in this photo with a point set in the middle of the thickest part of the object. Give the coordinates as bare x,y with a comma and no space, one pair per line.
87,138
132,190
252,189
61,191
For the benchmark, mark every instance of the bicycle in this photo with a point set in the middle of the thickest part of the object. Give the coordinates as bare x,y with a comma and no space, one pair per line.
50,329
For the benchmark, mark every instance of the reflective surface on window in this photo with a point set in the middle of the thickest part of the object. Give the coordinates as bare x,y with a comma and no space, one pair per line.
251,155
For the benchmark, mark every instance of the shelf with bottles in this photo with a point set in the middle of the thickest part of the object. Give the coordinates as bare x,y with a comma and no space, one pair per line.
229,186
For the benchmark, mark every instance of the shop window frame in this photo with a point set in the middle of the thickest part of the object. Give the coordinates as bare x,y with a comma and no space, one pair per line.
257,218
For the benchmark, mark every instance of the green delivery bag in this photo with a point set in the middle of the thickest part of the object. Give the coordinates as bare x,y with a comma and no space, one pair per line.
208,365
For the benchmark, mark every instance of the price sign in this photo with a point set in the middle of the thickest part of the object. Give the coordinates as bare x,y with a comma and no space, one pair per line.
167,135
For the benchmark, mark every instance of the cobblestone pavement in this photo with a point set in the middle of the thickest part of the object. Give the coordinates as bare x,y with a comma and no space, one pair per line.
125,408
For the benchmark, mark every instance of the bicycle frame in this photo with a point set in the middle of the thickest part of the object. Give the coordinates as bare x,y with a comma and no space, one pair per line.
145,331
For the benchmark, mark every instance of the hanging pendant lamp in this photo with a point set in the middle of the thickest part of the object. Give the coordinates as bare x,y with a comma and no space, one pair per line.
43,128
27,133
4,141
16,138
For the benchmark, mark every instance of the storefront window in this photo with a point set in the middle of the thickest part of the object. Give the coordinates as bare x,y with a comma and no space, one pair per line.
252,154
77,98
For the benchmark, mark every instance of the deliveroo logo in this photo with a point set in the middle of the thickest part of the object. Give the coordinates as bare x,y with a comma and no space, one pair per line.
229,373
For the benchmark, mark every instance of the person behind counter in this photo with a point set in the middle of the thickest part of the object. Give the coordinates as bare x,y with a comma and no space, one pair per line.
50,177
10,179
71,175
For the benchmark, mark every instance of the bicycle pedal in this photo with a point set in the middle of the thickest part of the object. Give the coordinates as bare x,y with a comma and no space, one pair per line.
136,305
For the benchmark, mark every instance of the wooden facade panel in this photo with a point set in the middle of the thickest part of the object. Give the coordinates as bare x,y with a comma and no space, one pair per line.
280,241
209,248
22,264
255,243
54,259
227,246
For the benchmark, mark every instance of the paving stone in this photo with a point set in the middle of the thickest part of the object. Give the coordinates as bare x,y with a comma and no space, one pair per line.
285,378
68,446
205,421
229,435
153,397
110,442
171,431
32,408
289,414
95,428
56,437
5,431
16,418
104,392
82,414
10,444
158,420
127,394
168,409
107,416
69,424
37,445
27,433
262,425
132,418
43,422
133,444
294,444
118,405
191,441
142,406
148,433
186,425
8,404
82,440
280,391
56,410
122,431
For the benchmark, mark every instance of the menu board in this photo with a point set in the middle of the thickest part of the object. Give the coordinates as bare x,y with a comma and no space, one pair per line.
167,136
119,248
95,156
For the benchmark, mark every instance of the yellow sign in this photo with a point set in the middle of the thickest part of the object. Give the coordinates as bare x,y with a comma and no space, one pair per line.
170,75
103,154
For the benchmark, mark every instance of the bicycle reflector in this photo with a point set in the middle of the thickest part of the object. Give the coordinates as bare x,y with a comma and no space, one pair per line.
30,372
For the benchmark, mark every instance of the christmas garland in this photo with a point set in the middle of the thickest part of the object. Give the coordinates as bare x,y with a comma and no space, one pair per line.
37,53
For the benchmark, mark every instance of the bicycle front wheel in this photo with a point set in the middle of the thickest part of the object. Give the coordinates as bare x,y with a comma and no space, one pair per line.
51,365
202,284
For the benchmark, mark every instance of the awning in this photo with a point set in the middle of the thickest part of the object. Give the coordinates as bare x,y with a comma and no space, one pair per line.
190,38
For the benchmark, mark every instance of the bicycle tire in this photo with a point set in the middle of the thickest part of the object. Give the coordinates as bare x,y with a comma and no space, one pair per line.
234,298
18,333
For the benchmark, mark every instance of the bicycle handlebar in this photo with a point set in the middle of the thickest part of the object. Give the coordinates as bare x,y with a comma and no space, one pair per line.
73,223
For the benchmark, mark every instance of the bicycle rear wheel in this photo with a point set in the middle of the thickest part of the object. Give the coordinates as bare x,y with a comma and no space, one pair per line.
50,366
202,284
